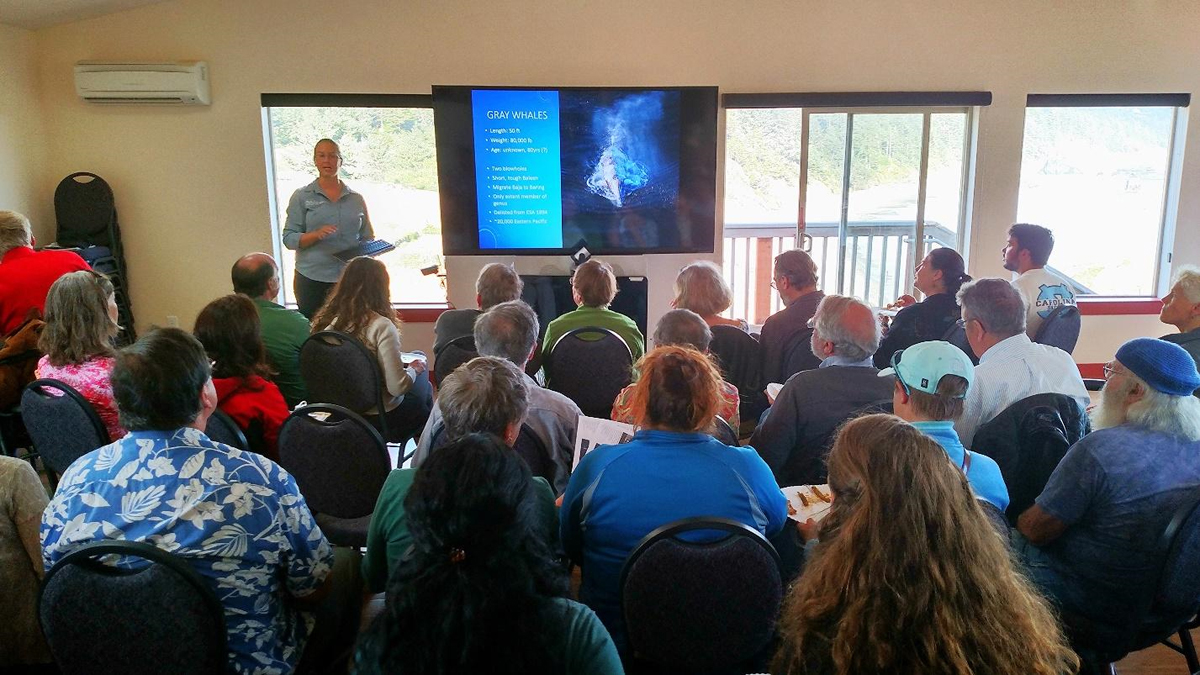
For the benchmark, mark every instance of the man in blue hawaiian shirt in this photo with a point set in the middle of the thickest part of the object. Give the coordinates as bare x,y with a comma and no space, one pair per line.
235,516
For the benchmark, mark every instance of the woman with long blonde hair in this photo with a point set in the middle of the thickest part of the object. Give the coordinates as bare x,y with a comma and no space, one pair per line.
908,575
360,305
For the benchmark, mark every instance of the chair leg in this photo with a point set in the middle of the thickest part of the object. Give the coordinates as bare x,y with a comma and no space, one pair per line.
1189,650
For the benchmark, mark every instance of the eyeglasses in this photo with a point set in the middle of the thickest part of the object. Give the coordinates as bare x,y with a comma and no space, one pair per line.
895,363
1110,370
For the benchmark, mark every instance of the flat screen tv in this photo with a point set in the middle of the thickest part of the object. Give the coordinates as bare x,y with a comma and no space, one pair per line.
544,170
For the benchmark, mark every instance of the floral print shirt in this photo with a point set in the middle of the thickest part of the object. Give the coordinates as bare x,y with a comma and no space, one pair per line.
236,516
92,380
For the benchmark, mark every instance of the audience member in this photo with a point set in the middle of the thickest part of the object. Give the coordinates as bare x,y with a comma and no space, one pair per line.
701,288
81,322
479,590
497,283
485,395
593,287
509,330
670,470
1011,367
26,275
236,517
1181,308
932,379
324,218
361,306
228,329
794,437
283,330
683,328
22,500
1025,254
795,277
1092,535
908,575
938,277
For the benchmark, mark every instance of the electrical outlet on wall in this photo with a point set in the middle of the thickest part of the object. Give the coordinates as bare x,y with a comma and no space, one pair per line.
172,321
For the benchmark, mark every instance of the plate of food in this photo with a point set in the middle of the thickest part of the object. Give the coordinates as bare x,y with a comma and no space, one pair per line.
808,501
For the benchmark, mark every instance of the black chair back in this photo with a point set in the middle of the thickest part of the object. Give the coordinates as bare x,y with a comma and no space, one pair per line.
339,369
535,453
61,423
222,429
1061,328
85,210
701,605
723,432
338,459
452,355
739,356
798,355
957,336
590,372
102,620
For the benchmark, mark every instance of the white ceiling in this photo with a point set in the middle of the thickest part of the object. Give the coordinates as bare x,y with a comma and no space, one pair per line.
42,13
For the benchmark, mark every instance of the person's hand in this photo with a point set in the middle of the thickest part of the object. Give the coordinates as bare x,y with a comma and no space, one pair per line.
326,232
809,529
418,366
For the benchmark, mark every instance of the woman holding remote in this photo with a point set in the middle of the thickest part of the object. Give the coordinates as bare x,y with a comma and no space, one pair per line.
323,218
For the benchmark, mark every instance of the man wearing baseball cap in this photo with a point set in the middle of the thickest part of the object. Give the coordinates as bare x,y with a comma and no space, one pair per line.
1091,538
932,379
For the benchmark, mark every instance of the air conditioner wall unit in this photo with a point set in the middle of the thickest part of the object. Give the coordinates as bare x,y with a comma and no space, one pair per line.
172,83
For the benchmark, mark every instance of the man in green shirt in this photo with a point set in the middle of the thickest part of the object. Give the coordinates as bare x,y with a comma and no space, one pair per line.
485,395
283,330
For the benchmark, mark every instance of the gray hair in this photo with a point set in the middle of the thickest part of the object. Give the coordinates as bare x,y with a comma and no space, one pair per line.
1155,411
1187,278
996,304
684,328
484,395
14,231
849,324
498,283
701,288
508,331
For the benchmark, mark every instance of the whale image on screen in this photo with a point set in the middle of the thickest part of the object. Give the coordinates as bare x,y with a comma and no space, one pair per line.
620,167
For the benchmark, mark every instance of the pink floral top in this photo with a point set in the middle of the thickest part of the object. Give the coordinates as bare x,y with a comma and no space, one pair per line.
91,379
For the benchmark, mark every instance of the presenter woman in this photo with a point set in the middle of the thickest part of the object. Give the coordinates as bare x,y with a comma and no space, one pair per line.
323,218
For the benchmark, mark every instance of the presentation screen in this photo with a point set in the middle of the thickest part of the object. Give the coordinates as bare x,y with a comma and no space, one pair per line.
544,170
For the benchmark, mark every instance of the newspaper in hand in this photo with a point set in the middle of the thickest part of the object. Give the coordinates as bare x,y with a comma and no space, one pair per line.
593,431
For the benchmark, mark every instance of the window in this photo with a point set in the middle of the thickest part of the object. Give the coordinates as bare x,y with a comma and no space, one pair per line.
1097,170
867,190
387,155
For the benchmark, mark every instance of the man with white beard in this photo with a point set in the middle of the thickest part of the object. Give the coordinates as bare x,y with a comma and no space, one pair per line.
1090,539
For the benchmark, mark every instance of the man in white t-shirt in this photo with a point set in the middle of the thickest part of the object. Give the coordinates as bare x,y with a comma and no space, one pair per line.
1026,253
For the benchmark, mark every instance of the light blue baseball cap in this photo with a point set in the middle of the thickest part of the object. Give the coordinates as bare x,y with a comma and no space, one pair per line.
923,365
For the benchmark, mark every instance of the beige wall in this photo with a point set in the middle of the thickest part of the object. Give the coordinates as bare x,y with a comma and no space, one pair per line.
22,134
191,185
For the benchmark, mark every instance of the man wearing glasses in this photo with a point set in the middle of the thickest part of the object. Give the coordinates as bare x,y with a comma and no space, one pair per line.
795,278
1011,366
1090,540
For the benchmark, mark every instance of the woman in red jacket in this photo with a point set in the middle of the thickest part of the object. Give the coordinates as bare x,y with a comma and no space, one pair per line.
228,327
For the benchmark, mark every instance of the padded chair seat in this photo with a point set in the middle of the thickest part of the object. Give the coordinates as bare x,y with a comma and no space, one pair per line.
345,531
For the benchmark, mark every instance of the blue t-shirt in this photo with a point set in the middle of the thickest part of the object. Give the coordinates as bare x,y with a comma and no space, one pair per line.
983,473
1116,489
236,517
620,493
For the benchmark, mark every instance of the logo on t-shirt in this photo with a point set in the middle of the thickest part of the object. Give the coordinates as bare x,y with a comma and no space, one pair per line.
1051,297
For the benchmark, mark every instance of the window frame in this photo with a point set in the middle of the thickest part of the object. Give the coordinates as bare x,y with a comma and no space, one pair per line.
902,102
1109,305
417,312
